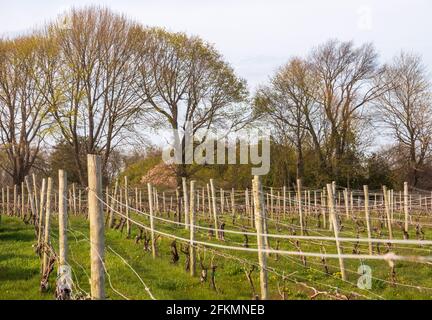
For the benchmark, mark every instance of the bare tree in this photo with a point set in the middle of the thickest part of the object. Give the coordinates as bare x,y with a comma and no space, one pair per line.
93,95
347,85
23,112
288,102
406,109
185,80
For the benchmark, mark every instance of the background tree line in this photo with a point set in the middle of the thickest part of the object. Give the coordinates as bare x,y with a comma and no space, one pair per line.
93,81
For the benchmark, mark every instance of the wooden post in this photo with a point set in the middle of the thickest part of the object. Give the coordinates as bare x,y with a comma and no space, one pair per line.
63,271
7,201
391,205
47,226
203,201
41,212
156,200
63,222
74,198
323,207
192,267
368,223
271,202
31,199
79,201
249,209
209,201
289,201
315,203
185,203
3,201
178,205
213,196
406,205
107,209
23,213
15,195
113,205
35,194
259,213
71,200
335,228
284,201
299,199
233,203
222,197
97,236
55,202
345,193
126,193
387,210
150,199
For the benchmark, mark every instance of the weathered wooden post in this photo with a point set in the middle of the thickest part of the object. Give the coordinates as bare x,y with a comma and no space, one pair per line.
259,215
150,199
406,210
74,200
185,203
156,200
126,193
3,201
203,201
284,201
35,194
222,200
299,200
178,205
63,222
79,201
192,267
233,203
107,209
113,205
323,207
289,201
209,201
335,224
271,202
31,199
386,194
213,196
345,194
97,236
368,223
64,278
41,213
15,195
46,255
23,213
7,201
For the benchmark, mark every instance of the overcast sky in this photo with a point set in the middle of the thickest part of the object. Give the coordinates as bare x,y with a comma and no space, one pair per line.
258,36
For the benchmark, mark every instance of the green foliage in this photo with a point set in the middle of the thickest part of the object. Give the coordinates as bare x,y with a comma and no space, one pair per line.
63,157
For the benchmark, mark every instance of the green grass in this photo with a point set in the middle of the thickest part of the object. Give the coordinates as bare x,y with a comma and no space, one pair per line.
20,267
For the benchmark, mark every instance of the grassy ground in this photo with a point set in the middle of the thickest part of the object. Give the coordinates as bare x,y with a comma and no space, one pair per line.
20,275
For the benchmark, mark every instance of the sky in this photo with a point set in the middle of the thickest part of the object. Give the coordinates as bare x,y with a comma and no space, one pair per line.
256,37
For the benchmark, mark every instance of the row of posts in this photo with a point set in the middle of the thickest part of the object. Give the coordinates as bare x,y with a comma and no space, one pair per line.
96,219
